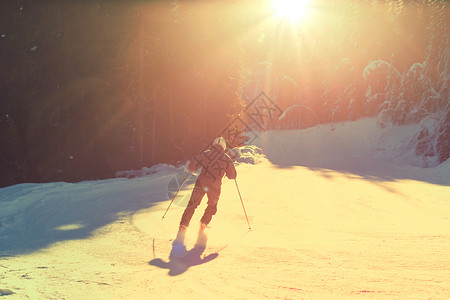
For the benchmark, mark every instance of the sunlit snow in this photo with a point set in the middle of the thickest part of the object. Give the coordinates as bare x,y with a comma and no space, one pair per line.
337,211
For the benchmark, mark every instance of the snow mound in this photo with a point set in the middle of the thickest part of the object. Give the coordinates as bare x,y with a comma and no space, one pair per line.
350,145
145,171
249,154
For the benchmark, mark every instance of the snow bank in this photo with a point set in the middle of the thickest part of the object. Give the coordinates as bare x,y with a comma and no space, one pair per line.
145,171
36,215
326,142
249,154
350,146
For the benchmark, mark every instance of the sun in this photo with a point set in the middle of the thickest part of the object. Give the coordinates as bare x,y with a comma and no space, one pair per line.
294,10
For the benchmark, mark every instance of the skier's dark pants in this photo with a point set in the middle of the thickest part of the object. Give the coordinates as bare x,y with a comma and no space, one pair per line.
196,197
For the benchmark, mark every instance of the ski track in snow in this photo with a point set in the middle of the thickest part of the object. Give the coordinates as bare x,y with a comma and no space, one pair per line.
332,216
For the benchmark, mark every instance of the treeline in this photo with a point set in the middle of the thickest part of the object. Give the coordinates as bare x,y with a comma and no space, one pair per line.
92,87
356,59
325,63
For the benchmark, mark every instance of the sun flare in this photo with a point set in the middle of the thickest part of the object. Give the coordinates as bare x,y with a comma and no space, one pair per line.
293,10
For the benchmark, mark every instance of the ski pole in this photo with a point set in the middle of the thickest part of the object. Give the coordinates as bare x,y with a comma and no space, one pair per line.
187,175
237,187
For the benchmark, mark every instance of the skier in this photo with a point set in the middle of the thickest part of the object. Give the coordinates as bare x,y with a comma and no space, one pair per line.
215,163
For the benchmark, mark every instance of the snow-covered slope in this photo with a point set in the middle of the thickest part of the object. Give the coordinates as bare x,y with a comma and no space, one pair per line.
361,147
337,211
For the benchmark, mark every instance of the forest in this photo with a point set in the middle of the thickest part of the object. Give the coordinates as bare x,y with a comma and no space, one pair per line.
89,88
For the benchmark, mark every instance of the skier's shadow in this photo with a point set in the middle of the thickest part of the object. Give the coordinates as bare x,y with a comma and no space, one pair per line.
180,259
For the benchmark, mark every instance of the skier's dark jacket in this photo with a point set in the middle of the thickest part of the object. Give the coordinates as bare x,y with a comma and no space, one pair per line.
215,163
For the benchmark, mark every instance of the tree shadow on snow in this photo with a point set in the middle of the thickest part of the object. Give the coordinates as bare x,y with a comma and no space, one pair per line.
180,260
65,211
376,171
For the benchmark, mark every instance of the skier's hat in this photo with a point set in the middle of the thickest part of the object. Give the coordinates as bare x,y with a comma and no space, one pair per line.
220,141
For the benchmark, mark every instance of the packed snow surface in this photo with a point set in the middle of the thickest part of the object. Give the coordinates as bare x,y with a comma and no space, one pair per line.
336,211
